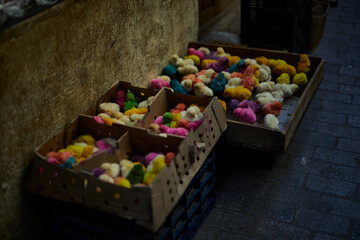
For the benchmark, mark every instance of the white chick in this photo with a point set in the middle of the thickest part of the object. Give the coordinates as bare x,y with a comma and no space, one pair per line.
136,116
111,169
109,107
279,95
187,69
200,89
227,76
125,167
250,62
221,52
264,94
146,103
187,84
118,115
264,73
270,121
265,87
103,116
177,61
288,89
106,178
233,83
204,50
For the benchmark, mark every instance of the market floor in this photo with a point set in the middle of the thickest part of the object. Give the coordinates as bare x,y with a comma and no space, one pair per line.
312,190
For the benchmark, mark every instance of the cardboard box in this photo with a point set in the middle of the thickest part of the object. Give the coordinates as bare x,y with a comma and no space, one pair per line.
140,93
206,135
255,135
147,206
54,181
76,222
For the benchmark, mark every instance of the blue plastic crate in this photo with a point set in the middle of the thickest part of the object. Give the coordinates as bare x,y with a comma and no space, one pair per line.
76,222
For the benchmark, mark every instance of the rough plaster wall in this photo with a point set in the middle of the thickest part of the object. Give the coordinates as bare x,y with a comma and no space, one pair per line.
56,64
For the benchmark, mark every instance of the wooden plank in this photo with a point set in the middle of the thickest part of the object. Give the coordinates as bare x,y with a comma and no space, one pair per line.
303,104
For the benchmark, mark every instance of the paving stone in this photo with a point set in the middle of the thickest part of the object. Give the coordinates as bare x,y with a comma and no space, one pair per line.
348,89
268,229
338,78
278,175
286,194
331,68
348,174
234,236
312,200
231,221
356,231
354,121
332,96
229,199
329,86
356,100
243,184
349,145
316,220
307,124
315,139
321,236
338,206
316,103
207,233
341,108
332,186
300,149
337,156
338,130
325,116
352,71
261,206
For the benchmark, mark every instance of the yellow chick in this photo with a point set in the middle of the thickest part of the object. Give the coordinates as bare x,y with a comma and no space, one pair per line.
289,69
261,60
205,62
123,182
88,139
300,79
283,78
233,60
304,64
195,58
240,93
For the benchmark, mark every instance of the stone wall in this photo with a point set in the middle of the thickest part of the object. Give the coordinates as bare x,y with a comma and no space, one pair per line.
56,64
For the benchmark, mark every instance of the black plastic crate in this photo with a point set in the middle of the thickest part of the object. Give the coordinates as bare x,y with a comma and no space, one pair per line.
276,24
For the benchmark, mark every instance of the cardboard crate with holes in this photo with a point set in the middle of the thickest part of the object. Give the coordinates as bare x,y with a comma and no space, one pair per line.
143,190
207,122
51,173
115,105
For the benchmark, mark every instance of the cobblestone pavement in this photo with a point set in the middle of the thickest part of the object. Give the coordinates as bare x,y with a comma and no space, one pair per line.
313,190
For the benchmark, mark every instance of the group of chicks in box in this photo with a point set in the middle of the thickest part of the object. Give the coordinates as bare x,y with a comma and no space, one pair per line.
125,109
217,73
139,169
81,148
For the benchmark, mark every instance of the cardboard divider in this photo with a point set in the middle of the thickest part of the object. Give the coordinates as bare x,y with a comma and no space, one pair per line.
259,137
